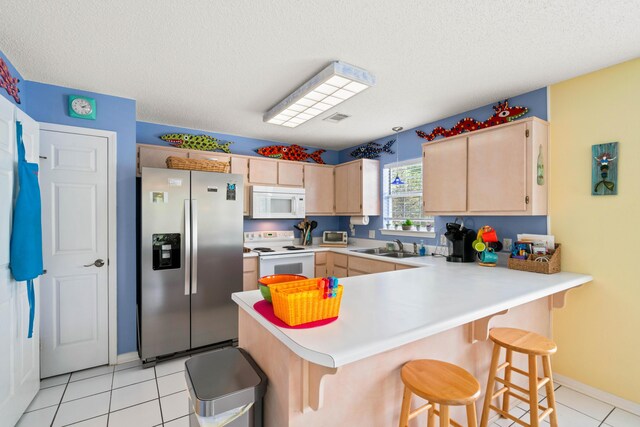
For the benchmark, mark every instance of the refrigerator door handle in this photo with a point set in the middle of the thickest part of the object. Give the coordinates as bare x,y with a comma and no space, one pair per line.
194,246
187,245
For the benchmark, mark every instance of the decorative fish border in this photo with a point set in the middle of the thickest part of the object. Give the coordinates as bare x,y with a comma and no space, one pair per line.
196,142
502,114
372,150
8,82
292,152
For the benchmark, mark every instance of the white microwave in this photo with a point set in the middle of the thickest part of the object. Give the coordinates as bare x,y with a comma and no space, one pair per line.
277,202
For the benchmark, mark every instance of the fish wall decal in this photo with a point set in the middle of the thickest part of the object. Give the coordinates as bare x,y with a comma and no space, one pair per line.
372,150
291,152
196,142
502,114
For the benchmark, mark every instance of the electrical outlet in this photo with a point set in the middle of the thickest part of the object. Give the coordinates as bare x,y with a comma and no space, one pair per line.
443,240
506,243
372,234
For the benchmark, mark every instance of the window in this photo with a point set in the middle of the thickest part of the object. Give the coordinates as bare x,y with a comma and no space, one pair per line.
404,201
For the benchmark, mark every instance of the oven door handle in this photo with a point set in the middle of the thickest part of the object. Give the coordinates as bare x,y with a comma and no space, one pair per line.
285,256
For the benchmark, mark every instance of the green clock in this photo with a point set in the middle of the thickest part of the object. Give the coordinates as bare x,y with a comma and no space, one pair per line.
82,107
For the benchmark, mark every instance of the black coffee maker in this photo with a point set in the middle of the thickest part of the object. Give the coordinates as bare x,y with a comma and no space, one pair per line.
461,238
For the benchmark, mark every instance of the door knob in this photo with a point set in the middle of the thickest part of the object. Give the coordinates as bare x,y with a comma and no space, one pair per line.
96,263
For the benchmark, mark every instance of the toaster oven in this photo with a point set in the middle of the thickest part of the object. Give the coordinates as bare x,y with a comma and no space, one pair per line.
334,237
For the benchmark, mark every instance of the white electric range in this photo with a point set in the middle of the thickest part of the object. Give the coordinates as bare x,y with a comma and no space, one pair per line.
279,254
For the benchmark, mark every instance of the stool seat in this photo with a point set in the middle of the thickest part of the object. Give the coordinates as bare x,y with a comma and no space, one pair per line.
523,341
440,382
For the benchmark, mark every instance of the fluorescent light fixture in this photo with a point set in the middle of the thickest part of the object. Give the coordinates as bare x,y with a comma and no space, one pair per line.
331,86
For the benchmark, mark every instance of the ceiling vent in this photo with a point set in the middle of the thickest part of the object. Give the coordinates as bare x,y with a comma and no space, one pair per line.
336,118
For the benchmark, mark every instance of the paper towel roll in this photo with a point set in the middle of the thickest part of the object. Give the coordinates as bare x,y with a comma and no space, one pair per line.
359,220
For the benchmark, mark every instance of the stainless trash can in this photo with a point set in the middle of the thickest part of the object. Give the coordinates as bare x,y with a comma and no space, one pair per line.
226,388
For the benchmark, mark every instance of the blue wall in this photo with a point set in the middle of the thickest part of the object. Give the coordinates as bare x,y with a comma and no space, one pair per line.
22,92
48,103
410,147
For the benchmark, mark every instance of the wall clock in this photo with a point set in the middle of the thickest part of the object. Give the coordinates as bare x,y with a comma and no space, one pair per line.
82,107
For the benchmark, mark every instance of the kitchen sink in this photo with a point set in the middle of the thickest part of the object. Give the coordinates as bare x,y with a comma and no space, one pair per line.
372,251
399,255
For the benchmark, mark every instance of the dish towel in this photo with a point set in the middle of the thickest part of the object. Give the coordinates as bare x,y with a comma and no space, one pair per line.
26,234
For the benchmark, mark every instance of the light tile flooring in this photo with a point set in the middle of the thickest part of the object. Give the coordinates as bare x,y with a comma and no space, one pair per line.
122,396
129,396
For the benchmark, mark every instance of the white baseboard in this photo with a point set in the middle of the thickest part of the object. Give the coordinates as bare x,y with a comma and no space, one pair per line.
127,357
609,398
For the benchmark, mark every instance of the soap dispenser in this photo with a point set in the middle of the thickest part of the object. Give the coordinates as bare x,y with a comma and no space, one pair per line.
423,249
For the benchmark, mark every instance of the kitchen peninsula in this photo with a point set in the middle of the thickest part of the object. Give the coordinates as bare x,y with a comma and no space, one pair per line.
348,372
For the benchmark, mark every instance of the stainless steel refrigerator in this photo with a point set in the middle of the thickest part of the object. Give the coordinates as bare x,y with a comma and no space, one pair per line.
190,260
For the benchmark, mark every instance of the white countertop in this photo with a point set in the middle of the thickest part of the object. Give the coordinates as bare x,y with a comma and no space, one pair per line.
383,311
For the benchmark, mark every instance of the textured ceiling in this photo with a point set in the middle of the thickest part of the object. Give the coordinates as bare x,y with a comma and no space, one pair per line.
219,65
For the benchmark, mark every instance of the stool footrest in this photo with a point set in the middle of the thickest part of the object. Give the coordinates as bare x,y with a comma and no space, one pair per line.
544,414
520,371
452,422
504,365
509,384
499,392
542,382
420,410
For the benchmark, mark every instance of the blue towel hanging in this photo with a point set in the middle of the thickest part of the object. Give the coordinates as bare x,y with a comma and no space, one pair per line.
26,235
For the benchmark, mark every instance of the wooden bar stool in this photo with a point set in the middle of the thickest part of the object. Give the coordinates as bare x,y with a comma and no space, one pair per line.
438,383
532,345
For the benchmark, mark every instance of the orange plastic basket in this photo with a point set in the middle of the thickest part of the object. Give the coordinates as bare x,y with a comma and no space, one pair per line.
301,302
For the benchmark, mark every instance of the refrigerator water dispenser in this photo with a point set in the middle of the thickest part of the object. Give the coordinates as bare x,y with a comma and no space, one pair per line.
166,251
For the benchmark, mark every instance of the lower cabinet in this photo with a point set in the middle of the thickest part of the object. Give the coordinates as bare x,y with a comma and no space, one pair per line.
359,266
321,269
250,274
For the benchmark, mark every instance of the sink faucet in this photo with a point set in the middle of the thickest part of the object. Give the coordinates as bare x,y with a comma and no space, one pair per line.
400,246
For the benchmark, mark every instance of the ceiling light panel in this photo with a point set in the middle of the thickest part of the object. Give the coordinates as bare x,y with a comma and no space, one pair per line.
331,86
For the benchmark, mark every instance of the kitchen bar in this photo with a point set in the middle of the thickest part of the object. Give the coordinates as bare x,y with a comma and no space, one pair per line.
441,311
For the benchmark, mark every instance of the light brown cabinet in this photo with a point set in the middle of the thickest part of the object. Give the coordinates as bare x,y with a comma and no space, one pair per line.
444,175
357,188
240,165
250,274
290,173
359,266
321,264
156,156
263,171
319,186
492,171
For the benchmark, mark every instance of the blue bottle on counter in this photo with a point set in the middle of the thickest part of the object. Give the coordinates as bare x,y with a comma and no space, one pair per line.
423,250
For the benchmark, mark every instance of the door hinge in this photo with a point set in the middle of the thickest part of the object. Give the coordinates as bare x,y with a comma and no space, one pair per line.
526,200
526,133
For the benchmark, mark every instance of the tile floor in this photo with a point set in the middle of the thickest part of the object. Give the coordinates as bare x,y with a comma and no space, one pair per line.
129,396
122,396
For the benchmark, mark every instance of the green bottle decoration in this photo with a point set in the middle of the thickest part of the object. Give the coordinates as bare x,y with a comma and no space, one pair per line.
540,166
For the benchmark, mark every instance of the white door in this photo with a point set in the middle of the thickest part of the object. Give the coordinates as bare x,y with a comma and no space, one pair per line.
19,356
75,326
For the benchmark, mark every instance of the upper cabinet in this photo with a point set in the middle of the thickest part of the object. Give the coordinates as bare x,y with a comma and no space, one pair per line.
275,172
156,156
240,165
319,189
290,173
357,188
444,175
495,171
263,171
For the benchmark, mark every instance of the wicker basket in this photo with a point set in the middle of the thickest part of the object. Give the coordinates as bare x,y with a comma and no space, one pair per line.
174,162
551,267
302,301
